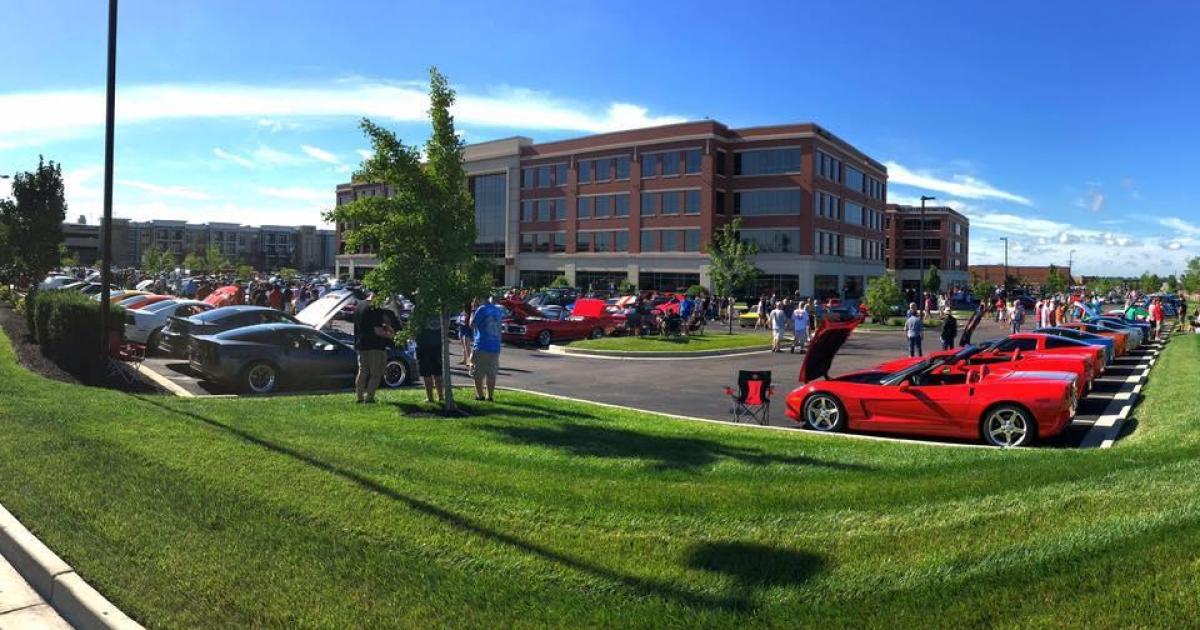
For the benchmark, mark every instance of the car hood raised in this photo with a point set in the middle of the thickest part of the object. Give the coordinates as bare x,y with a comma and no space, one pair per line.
321,311
823,347
588,307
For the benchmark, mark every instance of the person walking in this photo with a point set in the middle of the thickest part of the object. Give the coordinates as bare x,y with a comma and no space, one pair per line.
949,328
1156,313
485,351
372,334
686,307
1018,316
800,321
429,358
464,330
914,330
778,320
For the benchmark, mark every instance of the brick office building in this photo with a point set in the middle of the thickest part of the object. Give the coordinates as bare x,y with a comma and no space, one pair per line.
914,243
1030,277
641,205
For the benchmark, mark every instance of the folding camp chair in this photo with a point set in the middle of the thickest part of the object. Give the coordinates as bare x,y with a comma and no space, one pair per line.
752,399
124,358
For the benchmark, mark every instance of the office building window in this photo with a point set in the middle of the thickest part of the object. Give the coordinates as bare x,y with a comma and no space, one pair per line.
720,207
603,210
560,174
691,202
560,242
773,241
544,210
583,208
527,175
670,163
825,205
670,202
828,167
527,211
527,243
621,240
759,202
649,165
853,179
585,171
649,204
826,243
583,241
603,168
543,176
602,241
620,205
649,241
670,240
875,189
852,247
691,240
766,162
719,169
691,161
623,167
852,213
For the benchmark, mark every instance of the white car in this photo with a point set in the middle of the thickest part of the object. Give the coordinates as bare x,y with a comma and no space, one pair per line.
142,325
56,282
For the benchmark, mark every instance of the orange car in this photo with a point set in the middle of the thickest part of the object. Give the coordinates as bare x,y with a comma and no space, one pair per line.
1120,339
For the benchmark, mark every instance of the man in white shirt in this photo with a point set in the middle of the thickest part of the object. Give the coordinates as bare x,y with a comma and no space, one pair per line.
777,318
800,322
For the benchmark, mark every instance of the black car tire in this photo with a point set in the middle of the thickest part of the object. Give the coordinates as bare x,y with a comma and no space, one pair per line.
152,341
597,333
395,373
817,409
260,377
544,338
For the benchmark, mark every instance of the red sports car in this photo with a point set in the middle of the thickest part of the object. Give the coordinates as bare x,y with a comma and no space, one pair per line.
940,396
527,324
1002,355
1120,339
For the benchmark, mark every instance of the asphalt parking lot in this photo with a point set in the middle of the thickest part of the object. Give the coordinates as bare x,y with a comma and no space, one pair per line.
695,386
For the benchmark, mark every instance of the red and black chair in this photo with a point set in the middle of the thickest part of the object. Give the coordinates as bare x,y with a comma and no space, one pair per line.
124,358
752,399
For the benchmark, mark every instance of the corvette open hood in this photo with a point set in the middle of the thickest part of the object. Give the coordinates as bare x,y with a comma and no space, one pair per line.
823,347
588,307
225,296
969,328
320,312
522,311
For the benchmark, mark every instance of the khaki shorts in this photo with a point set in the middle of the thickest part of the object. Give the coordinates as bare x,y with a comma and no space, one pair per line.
485,364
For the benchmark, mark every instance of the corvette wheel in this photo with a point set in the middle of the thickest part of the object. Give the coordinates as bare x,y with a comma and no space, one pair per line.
395,374
544,339
823,412
597,333
261,378
1007,426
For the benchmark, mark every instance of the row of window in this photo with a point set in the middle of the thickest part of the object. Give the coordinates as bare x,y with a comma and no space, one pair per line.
670,203
668,163
761,202
547,176
607,241
544,210
603,206
603,169
832,169
548,242
766,162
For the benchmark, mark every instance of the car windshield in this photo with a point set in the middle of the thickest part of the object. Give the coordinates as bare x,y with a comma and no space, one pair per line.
159,305
900,376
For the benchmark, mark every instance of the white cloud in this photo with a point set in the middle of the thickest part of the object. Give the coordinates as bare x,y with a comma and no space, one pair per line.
315,195
1180,225
964,186
1094,200
28,112
319,154
365,154
182,192
230,157
274,157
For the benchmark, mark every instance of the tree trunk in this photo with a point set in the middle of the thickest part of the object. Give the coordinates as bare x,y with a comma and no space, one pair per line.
447,389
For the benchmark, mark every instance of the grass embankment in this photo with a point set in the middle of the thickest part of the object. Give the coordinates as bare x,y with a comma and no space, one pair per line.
710,340
311,511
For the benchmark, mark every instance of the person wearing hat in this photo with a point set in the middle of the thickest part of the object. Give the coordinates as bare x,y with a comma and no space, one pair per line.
949,328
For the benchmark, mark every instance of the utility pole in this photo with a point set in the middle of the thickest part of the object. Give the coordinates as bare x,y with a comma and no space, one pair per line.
106,228
921,255
1005,279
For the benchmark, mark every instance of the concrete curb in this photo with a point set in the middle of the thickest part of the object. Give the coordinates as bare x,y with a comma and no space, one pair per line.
655,354
71,597
165,383
1108,426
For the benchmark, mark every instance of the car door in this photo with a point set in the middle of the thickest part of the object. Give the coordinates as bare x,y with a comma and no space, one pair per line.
934,403
312,358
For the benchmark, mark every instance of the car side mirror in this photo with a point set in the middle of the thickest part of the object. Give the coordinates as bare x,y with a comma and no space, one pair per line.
905,387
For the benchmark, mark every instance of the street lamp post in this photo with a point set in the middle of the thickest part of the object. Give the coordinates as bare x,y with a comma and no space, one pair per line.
921,254
106,228
1004,280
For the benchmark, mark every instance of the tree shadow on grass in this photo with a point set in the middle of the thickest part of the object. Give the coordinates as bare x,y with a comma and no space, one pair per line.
754,566
636,585
663,452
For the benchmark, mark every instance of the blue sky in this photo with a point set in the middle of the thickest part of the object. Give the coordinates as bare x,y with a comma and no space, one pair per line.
1062,125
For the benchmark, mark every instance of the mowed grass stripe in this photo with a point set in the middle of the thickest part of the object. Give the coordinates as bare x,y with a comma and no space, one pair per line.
310,511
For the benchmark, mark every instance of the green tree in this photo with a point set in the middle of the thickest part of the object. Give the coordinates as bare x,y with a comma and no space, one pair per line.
1191,277
1172,284
33,218
625,287
731,262
983,289
213,260
67,258
156,261
933,280
245,272
882,294
423,234
194,264
287,274
560,282
1149,283
1054,281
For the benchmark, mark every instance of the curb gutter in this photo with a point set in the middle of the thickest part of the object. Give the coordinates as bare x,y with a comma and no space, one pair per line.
655,354
72,598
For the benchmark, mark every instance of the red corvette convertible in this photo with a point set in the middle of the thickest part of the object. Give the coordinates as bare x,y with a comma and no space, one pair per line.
1006,355
589,318
940,396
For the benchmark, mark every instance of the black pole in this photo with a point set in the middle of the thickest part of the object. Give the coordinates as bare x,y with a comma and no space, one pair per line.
1005,279
106,228
921,253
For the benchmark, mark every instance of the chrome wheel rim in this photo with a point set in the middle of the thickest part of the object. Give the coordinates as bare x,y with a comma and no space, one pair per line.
395,374
261,378
822,414
1007,427
544,338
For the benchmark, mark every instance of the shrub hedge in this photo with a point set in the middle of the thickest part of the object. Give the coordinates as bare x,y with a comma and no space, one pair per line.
66,326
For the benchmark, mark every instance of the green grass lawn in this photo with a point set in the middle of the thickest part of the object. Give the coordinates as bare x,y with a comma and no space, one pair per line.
314,512
711,340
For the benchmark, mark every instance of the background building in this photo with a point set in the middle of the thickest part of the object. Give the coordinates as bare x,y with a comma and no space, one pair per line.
642,205
914,243
305,247
1027,277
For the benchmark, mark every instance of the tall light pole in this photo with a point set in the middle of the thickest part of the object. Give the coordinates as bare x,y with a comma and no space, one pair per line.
1070,263
106,228
921,255
1004,280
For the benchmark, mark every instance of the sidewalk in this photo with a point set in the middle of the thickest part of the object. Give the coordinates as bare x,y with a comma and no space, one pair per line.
20,606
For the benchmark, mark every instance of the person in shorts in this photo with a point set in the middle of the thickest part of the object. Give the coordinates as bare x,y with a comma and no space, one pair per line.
777,318
429,358
485,349
372,336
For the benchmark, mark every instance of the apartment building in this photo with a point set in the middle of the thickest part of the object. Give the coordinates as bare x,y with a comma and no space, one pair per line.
916,239
263,247
642,205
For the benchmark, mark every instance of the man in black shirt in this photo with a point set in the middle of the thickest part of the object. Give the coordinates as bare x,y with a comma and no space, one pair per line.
372,334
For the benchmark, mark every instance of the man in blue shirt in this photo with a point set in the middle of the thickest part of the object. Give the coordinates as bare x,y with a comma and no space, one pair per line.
485,350
685,313
914,329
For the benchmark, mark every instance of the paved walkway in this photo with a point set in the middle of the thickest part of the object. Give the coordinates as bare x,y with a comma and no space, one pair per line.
21,607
